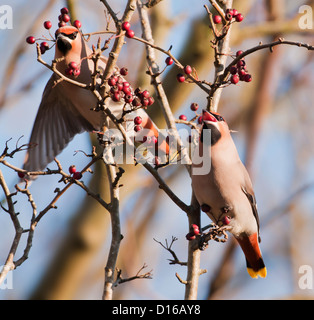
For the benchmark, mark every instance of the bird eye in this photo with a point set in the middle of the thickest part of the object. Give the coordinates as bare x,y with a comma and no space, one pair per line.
218,117
72,36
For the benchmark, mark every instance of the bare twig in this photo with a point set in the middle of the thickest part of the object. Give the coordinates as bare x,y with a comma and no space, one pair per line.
139,275
175,259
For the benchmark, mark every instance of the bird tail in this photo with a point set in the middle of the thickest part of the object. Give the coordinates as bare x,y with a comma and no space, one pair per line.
254,261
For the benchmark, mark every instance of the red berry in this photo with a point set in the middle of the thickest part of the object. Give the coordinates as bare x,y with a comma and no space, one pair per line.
116,97
145,101
72,169
124,71
150,101
69,71
76,72
183,117
225,220
217,19
241,72
66,18
112,81
126,25
30,40
129,33
47,25
239,53
64,10
241,63
228,16
73,65
239,17
21,175
114,89
247,78
235,12
190,236
77,175
194,106
188,69
145,94
138,120
128,98
43,47
233,69
235,79
229,11
60,17
126,85
120,86
77,24
195,229
180,77
137,128
61,24
126,90
169,61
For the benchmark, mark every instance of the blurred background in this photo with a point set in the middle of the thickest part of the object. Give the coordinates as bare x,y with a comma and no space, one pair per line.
274,122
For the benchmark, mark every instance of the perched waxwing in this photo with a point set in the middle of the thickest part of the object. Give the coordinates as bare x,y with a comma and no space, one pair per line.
65,109
225,191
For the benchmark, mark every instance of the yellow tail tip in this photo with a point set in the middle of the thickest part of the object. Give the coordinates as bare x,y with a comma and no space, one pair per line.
254,274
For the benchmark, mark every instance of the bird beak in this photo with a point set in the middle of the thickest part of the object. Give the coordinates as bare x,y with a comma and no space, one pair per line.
63,43
207,116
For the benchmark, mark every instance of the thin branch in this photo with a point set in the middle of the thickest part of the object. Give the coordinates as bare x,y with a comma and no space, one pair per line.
139,275
175,259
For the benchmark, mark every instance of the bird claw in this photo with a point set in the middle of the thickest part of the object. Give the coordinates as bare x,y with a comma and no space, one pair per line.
214,233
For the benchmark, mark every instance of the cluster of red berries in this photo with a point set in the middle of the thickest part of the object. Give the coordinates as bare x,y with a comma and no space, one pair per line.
194,107
187,70
77,175
126,26
194,231
120,90
239,72
73,69
229,16
64,18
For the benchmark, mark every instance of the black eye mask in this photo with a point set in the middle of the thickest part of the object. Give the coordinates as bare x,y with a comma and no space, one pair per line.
71,36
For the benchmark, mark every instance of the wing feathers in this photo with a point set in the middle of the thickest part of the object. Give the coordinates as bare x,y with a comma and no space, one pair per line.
56,123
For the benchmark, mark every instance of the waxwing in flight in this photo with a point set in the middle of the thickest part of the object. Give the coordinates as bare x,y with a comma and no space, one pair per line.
225,191
65,109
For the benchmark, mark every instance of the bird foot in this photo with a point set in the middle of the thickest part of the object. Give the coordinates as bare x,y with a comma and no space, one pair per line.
216,233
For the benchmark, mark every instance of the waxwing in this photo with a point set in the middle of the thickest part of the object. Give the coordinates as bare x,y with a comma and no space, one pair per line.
65,109
224,191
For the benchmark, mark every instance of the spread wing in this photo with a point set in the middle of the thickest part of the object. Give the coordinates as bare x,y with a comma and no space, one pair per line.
56,123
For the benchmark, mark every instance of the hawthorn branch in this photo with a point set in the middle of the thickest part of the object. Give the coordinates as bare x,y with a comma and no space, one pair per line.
222,48
9,263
